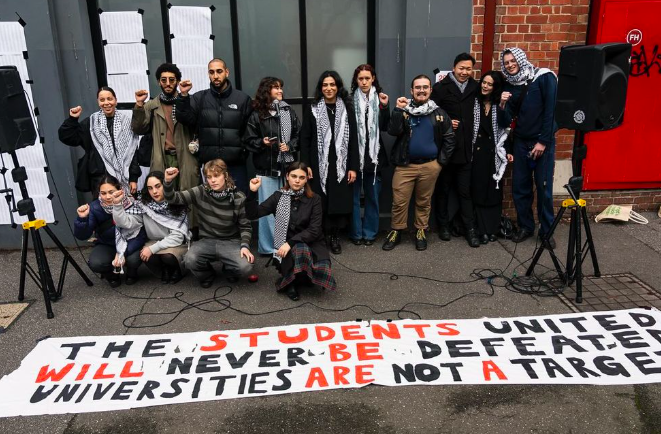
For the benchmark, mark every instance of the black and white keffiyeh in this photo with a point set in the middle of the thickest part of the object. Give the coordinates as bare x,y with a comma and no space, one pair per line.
117,158
161,213
341,139
222,194
420,110
367,104
527,71
499,137
122,235
170,100
282,214
461,86
285,128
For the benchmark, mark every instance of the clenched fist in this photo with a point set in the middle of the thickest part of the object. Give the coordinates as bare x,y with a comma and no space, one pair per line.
255,183
383,99
141,96
75,112
170,174
185,86
83,211
402,102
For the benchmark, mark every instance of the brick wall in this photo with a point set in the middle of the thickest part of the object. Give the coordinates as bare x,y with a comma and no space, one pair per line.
541,28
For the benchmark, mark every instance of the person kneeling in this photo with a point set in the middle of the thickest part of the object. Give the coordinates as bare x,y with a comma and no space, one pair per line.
116,250
300,250
225,231
166,226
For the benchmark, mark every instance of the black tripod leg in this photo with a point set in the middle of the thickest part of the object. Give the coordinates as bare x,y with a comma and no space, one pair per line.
68,256
42,265
24,264
540,249
571,246
579,260
588,237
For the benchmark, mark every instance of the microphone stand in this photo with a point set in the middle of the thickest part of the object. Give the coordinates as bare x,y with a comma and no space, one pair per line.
281,163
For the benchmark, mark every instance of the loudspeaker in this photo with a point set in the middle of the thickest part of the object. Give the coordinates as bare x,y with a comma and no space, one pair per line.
16,126
592,86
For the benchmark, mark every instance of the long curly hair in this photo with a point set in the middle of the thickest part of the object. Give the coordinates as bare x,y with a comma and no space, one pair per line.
145,197
365,67
342,92
263,100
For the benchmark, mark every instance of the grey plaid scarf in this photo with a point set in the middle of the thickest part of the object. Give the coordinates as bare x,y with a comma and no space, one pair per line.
461,86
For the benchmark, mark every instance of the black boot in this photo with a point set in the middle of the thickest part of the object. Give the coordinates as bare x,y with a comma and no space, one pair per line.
392,239
444,233
335,246
471,237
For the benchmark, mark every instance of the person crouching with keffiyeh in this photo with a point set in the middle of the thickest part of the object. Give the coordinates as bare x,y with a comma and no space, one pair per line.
489,156
300,251
225,231
272,137
166,226
372,116
329,147
116,251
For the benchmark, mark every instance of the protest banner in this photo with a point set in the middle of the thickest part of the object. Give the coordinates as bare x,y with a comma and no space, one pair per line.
85,374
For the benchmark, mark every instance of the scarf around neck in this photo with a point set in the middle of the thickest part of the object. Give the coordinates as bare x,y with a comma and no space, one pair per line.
282,215
367,133
116,157
420,110
501,154
324,138
461,86
169,100
285,128
163,215
222,194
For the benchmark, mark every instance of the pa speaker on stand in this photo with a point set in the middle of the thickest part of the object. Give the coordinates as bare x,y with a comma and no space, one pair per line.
17,131
591,96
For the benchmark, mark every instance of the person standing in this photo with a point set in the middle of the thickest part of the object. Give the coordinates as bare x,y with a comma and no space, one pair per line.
490,156
170,137
218,116
372,116
529,96
108,142
456,95
425,143
329,148
272,138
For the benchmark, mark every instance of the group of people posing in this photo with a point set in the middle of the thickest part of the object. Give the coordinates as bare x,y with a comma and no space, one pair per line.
310,175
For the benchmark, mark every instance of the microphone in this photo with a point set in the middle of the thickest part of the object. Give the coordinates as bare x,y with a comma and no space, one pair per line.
276,102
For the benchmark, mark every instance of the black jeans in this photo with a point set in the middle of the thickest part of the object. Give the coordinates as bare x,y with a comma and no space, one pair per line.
459,177
100,260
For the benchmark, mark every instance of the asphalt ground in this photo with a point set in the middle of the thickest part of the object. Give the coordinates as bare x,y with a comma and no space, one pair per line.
621,248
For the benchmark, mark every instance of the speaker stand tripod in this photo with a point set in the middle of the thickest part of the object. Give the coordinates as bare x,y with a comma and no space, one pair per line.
43,277
576,250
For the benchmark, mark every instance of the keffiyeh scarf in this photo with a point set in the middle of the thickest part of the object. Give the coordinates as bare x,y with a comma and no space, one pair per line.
222,194
367,104
421,110
324,138
117,158
498,133
122,236
163,215
527,72
282,215
285,129
169,100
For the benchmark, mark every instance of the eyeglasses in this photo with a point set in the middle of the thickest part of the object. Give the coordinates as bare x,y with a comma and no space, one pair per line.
421,87
168,80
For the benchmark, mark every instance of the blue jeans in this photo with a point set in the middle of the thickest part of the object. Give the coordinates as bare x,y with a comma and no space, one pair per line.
368,226
269,186
522,181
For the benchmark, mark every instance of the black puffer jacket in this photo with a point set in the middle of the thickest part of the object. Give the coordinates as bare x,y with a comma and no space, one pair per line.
400,128
219,119
265,158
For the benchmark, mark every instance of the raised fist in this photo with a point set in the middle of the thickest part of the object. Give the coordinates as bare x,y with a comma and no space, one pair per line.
83,211
185,86
75,112
170,174
141,96
402,102
118,196
255,183
383,99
